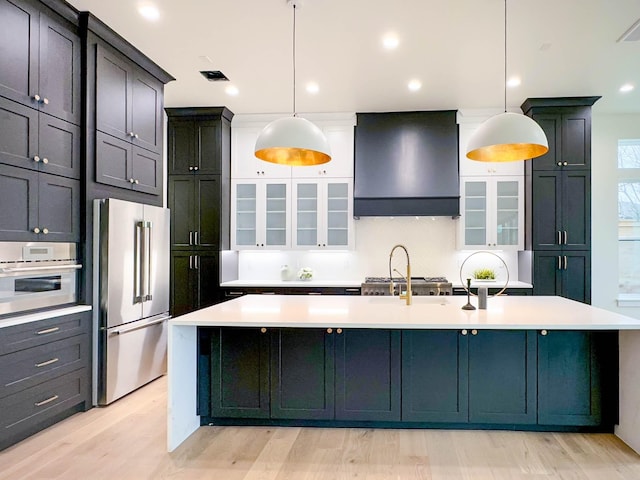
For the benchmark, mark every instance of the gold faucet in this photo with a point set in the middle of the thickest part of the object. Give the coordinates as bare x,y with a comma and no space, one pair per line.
407,278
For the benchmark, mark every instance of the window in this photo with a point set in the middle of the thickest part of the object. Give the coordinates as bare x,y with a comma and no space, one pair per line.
629,216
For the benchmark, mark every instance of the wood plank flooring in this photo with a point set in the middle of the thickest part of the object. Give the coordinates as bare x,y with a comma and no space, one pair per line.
126,441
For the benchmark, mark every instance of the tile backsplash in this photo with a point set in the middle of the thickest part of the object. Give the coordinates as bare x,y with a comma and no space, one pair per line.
431,242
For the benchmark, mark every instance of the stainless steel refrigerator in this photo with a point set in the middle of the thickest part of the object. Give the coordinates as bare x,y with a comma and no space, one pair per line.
131,296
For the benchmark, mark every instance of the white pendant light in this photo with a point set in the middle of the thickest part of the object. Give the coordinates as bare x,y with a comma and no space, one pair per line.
507,137
293,140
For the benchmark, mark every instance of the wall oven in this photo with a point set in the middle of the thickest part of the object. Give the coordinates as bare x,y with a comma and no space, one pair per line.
37,275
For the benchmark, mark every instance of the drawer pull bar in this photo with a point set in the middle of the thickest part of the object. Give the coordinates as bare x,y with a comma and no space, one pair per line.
48,362
48,400
48,330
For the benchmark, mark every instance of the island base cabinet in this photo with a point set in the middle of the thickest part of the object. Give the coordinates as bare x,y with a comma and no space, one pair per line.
435,376
367,380
234,373
302,373
576,375
502,377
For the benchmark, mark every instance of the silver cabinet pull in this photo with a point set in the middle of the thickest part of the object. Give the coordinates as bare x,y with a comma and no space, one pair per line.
464,331
559,164
45,230
131,180
195,236
474,332
565,262
565,163
543,333
45,160
37,98
191,169
136,182
36,230
196,168
559,263
45,100
48,362
565,237
48,400
47,330
197,262
190,262
36,158
131,134
190,238
559,237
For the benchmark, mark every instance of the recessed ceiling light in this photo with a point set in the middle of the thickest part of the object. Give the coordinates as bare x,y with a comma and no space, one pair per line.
414,85
627,87
313,88
232,90
513,82
390,41
150,12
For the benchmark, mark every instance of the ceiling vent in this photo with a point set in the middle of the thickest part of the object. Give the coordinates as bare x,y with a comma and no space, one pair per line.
632,34
214,75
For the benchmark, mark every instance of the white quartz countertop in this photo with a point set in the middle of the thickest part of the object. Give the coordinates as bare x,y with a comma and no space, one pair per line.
504,312
293,283
43,315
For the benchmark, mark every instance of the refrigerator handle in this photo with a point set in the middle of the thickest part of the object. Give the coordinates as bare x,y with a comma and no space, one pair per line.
146,265
137,282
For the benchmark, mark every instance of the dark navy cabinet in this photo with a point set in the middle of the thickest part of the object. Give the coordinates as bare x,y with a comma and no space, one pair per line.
502,376
435,376
574,381
302,373
196,280
238,366
367,379
566,273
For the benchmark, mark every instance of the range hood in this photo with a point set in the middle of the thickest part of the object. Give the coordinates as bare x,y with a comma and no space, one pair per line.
406,163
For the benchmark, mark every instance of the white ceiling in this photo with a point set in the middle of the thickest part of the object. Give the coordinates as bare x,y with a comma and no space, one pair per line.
455,47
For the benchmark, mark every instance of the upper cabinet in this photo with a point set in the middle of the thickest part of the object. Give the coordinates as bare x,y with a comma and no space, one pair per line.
492,213
198,140
40,61
125,92
128,101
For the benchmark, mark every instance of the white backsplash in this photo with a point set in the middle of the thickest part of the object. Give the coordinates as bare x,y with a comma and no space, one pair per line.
431,242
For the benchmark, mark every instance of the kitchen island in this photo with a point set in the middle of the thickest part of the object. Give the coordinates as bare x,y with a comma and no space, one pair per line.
540,363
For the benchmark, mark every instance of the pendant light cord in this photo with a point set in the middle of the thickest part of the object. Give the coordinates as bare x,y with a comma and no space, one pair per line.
505,56
294,59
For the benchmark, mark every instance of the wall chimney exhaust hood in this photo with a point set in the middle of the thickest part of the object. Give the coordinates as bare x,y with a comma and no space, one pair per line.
406,163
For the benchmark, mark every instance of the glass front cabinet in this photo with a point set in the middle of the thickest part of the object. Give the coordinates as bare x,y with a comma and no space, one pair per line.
322,214
492,213
262,215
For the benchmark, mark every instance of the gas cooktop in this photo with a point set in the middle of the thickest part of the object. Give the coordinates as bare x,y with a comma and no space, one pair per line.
419,285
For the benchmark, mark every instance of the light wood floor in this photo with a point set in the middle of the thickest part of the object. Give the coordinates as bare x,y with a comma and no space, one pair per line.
127,441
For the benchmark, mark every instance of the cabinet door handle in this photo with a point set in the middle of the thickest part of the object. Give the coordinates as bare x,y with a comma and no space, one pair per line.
329,330
474,332
339,331
565,237
131,134
543,333
464,331
263,330
559,263
195,236
196,168
45,230
565,163
45,160
48,362
48,400
559,164
190,262
131,180
559,237
190,237
47,330
191,169
36,158
36,230
565,262
197,262
37,98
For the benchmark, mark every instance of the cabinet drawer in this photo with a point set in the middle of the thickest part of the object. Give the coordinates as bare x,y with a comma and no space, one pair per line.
35,405
37,333
26,368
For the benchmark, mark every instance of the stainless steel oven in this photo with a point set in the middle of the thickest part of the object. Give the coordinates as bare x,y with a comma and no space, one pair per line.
37,275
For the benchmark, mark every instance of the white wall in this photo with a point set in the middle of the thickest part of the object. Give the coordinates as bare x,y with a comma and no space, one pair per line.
431,242
606,130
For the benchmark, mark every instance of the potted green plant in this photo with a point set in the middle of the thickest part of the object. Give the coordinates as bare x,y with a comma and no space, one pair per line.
485,274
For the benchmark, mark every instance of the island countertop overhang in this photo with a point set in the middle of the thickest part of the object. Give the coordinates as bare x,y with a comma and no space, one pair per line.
444,312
